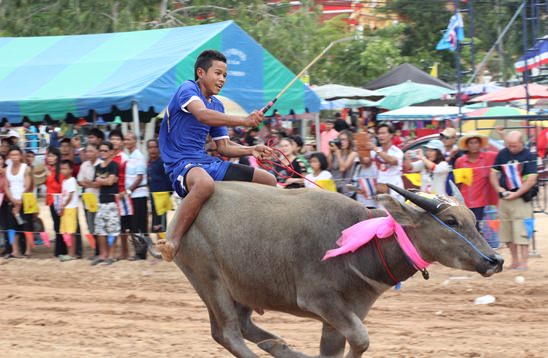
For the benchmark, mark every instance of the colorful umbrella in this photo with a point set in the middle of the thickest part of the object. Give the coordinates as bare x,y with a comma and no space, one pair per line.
469,125
409,93
536,91
333,92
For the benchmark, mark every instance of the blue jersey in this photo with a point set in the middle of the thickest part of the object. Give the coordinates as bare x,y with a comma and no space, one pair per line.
182,136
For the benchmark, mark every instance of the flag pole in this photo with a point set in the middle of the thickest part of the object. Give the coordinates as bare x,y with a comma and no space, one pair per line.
457,64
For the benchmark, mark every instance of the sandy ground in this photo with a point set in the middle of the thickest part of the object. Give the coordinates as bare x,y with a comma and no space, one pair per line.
148,309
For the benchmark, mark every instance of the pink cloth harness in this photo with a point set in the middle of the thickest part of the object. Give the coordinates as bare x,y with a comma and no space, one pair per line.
361,233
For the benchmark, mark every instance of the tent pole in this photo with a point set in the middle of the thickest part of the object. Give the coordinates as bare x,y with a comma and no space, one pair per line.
304,120
317,125
136,128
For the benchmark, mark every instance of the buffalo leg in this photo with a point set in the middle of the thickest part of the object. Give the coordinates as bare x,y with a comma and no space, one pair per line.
332,342
250,331
223,316
338,315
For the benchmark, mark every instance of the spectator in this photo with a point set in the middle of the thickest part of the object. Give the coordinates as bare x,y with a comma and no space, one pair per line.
388,159
54,182
136,188
432,166
5,147
300,152
289,179
397,140
120,157
513,176
67,153
3,206
158,181
69,210
31,136
449,139
342,160
76,143
340,124
318,165
327,136
96,136
18,182
85,179
476,196
364,178
107,221
29,160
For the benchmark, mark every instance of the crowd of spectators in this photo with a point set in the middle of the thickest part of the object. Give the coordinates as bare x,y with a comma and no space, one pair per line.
122,179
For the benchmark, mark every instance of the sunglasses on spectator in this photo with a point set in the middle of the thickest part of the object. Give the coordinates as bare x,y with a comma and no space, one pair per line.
446,137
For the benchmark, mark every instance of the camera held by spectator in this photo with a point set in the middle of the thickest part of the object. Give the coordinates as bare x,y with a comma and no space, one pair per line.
336,142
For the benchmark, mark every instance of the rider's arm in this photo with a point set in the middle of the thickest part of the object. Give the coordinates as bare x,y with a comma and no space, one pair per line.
215,119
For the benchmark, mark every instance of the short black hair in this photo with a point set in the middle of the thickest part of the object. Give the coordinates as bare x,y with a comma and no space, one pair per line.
30,151
298,140
7,140
65,140
92,145
96,132
153,140
68,162
321,158
390,127
205,60
116,133
16,148
108,144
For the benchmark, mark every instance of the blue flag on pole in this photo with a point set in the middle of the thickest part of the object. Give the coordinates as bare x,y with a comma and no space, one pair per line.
453,34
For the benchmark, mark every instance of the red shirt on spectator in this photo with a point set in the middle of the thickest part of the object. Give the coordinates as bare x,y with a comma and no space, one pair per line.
480,193
53,186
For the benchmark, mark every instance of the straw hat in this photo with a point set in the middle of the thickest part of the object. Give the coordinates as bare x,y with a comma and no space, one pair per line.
463,141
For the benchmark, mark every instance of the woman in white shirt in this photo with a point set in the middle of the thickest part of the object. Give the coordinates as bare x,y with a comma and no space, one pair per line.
432,166
318,164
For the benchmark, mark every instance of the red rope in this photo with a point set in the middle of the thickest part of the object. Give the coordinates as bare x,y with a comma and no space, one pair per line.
268,164
384,261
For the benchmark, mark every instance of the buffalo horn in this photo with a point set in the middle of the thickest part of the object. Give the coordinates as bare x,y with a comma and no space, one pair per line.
456,192
430,205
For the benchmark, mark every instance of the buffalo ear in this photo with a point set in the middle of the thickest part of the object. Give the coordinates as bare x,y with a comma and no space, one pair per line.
404,214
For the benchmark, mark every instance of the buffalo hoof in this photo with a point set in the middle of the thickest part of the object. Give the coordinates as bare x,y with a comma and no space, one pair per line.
279,349
167,249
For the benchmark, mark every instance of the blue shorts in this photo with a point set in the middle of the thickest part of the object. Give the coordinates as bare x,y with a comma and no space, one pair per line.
216,170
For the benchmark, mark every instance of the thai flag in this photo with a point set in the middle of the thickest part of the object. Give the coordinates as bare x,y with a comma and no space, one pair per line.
368,186
57,203
512,171
453,34
125,205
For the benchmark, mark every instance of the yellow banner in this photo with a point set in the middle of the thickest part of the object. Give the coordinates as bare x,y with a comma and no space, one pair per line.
327,184
90,202
162,202
464,176
414,178
30,204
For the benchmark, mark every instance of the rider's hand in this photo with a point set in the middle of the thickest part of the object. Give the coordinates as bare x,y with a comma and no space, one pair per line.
261,152
254,119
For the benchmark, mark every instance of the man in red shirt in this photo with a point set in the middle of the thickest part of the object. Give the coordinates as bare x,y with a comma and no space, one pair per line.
480,194
327,136
117,139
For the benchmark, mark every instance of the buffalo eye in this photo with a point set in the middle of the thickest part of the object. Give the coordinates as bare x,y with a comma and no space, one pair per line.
451,222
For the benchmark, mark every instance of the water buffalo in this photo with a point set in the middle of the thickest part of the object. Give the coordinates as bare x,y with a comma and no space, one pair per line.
255,247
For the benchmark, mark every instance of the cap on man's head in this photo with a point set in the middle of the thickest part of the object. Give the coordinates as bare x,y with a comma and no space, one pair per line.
449,132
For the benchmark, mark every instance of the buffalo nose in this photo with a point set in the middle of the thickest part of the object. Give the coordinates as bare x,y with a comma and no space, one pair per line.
497,261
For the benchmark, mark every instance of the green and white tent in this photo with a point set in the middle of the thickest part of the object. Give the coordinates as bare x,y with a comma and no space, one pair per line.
61,75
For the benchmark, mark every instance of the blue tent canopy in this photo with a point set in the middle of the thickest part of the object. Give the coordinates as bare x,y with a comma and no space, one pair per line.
57,75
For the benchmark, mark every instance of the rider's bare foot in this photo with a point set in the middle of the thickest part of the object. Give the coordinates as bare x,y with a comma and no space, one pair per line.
167,249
